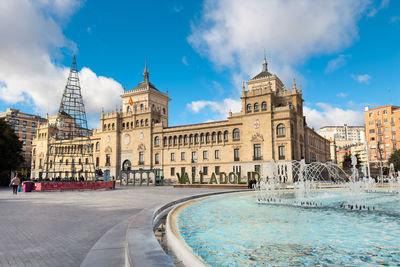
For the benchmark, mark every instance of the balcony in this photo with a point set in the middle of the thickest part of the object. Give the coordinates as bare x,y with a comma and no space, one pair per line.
257,157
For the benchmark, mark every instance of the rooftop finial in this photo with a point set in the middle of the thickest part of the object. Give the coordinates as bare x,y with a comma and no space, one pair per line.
294,83
244,87
145,72
265,64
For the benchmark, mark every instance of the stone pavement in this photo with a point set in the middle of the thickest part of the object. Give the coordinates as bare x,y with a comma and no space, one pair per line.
59,228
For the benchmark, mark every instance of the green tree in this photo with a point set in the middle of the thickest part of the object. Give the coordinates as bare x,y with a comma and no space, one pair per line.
395,159
10,152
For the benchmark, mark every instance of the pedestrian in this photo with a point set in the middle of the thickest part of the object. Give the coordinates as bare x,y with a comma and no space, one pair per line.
15,182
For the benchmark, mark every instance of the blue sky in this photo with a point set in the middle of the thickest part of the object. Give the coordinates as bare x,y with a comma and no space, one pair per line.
344,54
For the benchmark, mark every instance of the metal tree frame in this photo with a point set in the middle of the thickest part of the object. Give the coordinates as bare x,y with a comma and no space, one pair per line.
69,149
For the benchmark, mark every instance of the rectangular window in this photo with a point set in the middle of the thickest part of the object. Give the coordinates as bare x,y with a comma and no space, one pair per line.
16,128
183,170
281,150
257,168
205,170
24,129
205,154
40,163
24,136
97,161
183,157
236,154
33,124
108,161
157,158
172,156
33,131
385,120
172,171
24,123
386,129
217,170
16,121
193,171
141,158
216,154
257,152
194,157
370,115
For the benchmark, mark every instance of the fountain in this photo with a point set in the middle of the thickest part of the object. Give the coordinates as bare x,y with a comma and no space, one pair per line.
394,180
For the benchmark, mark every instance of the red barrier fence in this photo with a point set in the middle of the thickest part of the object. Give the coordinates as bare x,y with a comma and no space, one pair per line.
51,186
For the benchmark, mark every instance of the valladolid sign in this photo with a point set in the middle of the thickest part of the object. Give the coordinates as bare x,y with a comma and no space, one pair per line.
223,178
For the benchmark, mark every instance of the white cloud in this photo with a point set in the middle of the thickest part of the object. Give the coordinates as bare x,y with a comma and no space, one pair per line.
326,115
219,108
374,10
342,95
28,49
362,78
395,19
234,33
184,61
336,63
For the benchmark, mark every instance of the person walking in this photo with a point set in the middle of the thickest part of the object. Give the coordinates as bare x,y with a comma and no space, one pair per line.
15,182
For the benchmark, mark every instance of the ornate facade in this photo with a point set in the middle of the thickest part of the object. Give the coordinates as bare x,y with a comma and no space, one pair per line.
270,126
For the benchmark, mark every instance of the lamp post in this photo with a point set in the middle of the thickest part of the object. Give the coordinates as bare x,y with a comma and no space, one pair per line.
380,160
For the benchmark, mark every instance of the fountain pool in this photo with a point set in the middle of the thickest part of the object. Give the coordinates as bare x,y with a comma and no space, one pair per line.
236,230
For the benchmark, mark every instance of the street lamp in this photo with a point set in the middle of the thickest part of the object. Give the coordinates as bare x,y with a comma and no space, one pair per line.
381,162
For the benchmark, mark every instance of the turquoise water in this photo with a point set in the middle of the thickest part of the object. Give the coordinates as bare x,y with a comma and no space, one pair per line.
234,230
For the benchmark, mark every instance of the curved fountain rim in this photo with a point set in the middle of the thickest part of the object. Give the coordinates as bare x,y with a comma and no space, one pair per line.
176,244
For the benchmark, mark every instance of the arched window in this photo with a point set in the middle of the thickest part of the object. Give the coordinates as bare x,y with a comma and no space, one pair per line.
113,125
131,124
163,111
175,140
248,108
97,146
219,136
201,138
123,125
141,106
127,125
165,141
156,141
207,138
137,123
104,128
141,122
226,134
170,141
280,130
264,105
108,126
191,139
180,140
256,107
196,139
126,166
236,134
146,122
128,109
185,139
214,137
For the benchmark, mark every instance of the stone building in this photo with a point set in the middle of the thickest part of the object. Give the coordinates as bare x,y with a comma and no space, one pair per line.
25,126
270,126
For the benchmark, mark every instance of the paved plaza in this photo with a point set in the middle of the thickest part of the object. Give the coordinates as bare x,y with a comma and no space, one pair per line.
59,228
